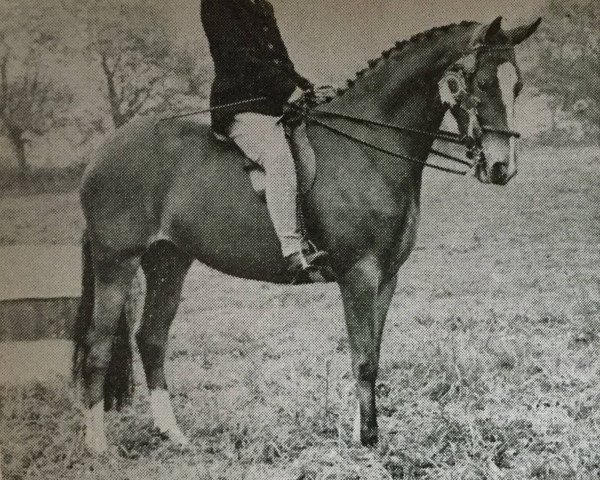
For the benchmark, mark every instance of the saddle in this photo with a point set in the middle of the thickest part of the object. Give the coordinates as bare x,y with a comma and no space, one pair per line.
306,173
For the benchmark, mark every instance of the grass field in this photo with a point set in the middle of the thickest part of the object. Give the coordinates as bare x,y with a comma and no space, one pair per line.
490,365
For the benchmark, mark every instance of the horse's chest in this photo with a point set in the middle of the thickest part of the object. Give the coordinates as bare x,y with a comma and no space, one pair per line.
405,238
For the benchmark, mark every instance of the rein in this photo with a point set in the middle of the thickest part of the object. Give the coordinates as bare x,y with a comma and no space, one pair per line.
444,135
316,121
388,152
212,109
460,98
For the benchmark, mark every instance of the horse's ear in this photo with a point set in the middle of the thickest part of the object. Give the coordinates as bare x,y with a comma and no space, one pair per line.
518,34
486,34
491,31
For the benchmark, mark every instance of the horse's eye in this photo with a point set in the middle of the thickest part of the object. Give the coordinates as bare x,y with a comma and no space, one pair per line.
484,84
453,86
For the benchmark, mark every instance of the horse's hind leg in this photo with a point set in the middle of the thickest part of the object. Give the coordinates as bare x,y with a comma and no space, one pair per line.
165,267
113,273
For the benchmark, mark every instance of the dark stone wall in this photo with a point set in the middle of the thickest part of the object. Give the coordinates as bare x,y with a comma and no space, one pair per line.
35,319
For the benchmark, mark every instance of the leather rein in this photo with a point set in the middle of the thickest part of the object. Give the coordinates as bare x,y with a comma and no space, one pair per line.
450,137
461,98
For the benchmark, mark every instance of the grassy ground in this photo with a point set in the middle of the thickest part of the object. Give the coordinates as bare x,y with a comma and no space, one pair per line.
490,364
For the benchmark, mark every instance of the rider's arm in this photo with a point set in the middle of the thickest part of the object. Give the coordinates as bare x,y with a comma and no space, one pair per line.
302,81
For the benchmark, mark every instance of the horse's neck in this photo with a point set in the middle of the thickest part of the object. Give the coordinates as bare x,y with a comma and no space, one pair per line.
383,88
400,89
417,106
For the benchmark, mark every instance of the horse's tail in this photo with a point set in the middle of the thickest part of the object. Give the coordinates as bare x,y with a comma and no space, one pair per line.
118,383
85,313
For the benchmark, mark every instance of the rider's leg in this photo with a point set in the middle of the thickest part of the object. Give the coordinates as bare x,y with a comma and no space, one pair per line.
263,140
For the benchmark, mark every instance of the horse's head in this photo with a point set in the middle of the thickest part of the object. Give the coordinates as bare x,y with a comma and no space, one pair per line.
481,89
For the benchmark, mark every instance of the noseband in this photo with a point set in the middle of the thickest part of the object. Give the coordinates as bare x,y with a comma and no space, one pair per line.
455,94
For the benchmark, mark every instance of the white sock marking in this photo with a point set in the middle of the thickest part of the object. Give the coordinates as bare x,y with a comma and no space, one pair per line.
95,436
164,418
356,429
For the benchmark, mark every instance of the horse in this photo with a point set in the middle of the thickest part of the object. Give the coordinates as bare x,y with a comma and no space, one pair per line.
159,195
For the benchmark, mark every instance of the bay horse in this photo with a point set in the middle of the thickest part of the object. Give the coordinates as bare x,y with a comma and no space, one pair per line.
160,196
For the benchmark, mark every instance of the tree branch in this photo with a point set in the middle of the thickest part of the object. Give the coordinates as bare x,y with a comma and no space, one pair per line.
108,73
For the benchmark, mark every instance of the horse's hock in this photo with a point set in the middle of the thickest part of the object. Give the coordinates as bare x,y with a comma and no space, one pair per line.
40,286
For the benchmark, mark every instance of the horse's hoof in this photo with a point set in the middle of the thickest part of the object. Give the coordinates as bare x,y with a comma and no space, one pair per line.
96,444
370,441
369,437
180,440
365,438
177,437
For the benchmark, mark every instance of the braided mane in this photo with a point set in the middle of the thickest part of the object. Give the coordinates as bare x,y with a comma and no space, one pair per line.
401,47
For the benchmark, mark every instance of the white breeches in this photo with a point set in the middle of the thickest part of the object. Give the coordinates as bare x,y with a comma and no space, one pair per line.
262,139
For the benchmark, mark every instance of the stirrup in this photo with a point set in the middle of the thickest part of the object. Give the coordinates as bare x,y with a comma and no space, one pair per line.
316,269
311,274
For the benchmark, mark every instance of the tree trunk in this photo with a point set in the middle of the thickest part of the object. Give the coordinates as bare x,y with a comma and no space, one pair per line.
15,134
113,98
21,159
118,118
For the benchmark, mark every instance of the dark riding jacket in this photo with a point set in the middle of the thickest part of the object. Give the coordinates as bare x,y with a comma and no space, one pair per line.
250,59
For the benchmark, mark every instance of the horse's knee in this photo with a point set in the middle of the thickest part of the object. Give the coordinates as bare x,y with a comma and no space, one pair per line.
366,371
360,285
99,352
151,347
149,344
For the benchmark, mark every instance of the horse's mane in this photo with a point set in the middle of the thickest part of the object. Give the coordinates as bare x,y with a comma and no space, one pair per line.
402,48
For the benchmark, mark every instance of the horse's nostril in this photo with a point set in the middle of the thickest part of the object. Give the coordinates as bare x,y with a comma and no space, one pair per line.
498,172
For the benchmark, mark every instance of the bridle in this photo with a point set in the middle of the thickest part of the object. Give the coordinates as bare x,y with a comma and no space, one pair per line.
455,95
458,98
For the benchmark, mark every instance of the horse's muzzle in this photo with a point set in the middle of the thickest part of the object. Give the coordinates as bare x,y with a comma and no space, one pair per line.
498,163
499,174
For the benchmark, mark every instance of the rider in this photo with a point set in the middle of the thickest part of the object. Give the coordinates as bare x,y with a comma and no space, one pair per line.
251,61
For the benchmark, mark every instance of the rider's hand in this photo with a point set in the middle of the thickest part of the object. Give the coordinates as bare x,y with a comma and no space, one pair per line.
296,95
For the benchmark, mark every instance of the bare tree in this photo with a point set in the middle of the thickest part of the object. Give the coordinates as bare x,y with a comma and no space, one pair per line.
31,101
142,67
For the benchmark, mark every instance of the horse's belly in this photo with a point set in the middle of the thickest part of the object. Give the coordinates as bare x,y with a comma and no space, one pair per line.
221,221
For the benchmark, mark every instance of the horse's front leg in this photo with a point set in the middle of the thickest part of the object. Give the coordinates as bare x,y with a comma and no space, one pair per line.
366,300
